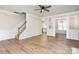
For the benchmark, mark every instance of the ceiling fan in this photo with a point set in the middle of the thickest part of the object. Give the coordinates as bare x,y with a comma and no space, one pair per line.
43,8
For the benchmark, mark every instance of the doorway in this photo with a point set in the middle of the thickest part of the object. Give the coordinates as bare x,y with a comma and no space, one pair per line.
44,27
61,27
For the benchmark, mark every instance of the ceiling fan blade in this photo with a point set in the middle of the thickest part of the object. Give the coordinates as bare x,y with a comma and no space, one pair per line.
37,9
40,6
48,6
46,10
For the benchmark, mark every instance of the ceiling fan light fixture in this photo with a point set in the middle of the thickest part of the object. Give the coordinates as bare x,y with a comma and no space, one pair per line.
42,10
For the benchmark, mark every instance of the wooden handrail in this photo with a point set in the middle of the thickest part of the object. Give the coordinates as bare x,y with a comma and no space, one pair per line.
19,32
22,25
21,28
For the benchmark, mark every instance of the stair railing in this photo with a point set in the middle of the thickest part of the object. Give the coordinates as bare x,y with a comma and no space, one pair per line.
21,29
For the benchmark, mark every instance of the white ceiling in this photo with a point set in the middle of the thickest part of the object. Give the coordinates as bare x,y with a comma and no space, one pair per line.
55,9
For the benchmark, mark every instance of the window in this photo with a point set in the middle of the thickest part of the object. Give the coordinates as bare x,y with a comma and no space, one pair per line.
61,25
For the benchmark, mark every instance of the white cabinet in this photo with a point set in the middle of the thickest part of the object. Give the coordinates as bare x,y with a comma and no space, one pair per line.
72,34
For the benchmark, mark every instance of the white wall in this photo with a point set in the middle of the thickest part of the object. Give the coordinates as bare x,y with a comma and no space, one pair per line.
33,26
9,22
72,24
71,33
78,26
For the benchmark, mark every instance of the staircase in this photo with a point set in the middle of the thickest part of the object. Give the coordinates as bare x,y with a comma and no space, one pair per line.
21,29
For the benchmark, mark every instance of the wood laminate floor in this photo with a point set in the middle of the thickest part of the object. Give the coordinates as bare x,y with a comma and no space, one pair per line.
39,45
